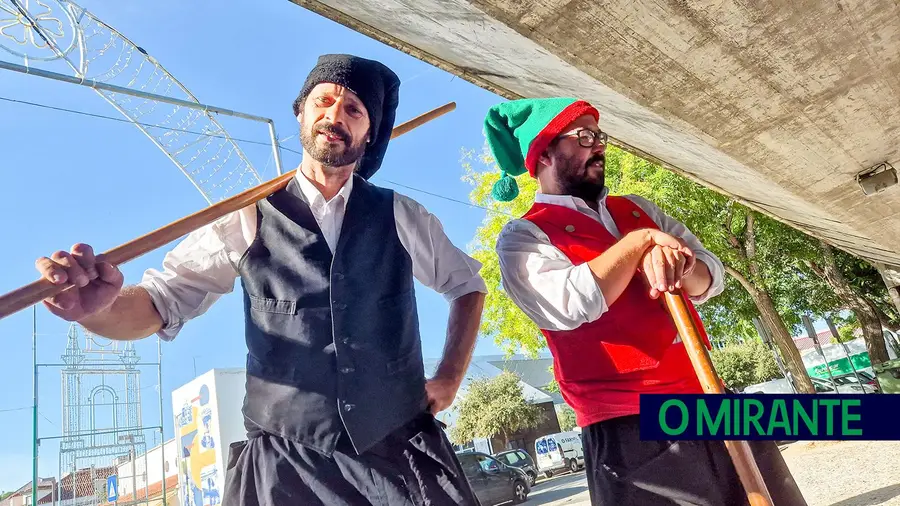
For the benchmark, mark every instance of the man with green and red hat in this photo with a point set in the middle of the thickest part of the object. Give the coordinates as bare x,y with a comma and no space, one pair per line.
589,268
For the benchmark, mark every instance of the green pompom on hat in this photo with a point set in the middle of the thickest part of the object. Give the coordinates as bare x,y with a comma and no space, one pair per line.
519,131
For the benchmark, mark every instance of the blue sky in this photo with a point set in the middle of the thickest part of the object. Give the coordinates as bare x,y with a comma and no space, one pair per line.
69,178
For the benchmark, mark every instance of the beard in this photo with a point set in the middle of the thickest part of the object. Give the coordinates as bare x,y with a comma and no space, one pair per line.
575,178
332,154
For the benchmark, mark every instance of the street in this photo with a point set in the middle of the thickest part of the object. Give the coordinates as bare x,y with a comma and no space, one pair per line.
568,489
830,473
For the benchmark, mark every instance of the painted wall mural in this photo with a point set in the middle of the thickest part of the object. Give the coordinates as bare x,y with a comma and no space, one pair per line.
196,429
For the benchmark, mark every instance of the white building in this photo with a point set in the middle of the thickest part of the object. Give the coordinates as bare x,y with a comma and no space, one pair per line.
145,473
208,419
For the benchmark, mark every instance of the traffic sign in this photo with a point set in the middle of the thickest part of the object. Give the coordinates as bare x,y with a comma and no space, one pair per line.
112,488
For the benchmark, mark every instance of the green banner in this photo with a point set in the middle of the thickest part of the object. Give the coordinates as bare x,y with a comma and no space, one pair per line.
840,366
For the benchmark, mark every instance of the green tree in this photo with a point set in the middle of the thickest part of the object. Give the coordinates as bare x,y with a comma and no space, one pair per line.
846,332
743,364
859,299
501,320
494,406
566,416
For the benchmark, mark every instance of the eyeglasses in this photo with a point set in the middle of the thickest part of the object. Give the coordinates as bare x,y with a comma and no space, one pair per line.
588,138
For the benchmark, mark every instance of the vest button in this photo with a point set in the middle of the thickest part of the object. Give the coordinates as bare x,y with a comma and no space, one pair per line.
347,370
570,228
339,306
338,276
349,407
636,214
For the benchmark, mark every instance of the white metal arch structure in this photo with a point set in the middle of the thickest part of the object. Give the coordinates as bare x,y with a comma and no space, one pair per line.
61,40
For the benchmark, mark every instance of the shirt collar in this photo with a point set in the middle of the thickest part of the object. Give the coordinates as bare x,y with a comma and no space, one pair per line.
573,203
315,197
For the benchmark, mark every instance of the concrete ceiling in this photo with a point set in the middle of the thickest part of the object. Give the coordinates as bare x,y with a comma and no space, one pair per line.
779,104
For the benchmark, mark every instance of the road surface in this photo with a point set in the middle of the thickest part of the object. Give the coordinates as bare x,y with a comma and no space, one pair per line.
566,489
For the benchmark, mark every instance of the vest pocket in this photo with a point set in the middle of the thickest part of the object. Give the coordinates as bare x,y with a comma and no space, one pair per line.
275,306
397,300
401,364
276,328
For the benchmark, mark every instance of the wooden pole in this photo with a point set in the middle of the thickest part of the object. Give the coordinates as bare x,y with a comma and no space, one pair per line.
740,452
37,291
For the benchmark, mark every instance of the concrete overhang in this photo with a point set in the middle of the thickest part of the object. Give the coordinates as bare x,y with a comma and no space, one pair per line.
778,104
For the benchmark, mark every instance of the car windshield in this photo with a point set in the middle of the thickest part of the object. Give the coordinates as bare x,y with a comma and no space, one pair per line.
821,386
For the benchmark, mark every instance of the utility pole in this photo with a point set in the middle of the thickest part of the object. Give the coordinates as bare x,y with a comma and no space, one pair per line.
811,331
763,334
837,337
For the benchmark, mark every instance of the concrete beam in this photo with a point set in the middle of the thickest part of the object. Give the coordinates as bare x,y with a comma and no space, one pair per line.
777,104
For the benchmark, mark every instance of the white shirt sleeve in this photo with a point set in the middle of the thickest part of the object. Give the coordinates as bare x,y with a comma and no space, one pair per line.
436,262
675,228
200,269
542,281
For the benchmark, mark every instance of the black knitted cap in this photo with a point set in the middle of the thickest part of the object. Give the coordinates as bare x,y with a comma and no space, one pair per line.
377,86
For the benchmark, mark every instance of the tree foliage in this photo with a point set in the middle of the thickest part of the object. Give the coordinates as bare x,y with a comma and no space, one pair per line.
743,364
566,416
494,406
502,320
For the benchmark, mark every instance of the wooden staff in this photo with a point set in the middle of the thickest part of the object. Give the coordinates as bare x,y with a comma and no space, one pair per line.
740,452
37,291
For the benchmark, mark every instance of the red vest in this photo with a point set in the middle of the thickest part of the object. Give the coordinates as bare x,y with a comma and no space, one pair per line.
603,366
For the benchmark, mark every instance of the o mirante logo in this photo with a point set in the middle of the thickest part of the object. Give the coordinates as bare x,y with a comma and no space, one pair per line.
773,417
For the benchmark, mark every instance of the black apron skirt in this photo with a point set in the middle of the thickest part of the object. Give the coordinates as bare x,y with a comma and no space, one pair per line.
622,470
413,466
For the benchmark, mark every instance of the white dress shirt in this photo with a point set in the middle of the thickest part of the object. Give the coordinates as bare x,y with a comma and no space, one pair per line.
204,265
555,293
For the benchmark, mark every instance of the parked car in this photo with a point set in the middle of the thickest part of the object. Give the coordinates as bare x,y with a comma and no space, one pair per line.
492,481
560,451
822,386
867,379
520,460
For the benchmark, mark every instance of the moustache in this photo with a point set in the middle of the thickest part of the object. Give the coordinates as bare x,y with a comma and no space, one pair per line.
596,158
333,130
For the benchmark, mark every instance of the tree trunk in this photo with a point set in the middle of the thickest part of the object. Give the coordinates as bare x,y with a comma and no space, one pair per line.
886,322
873,334
894,292
793,362
775,326
891,278
865,311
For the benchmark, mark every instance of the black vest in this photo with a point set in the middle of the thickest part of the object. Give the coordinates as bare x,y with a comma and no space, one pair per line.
333,340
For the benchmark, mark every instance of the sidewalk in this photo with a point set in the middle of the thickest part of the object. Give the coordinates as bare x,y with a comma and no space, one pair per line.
846,473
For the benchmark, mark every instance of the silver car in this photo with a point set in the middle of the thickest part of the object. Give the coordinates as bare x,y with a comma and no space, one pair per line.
844,386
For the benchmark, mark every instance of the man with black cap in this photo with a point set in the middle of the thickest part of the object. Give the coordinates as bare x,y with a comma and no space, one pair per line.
337,407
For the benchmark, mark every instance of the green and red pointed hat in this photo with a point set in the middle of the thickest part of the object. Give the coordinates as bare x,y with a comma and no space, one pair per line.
519,131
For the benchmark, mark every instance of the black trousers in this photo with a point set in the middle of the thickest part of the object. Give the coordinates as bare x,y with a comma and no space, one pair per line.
622,470
414,466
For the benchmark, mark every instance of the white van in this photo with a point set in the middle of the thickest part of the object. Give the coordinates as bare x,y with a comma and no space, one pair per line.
557,452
